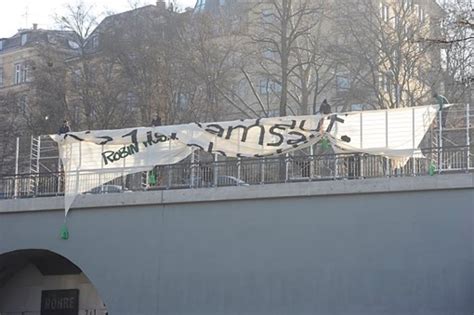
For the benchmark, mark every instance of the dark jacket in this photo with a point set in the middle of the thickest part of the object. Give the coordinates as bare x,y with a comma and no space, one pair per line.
64,129
156,122
325,108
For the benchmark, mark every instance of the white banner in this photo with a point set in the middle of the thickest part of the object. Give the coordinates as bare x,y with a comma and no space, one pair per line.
108,154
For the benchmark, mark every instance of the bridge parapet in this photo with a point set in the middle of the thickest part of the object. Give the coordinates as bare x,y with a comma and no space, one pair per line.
200,173
272,191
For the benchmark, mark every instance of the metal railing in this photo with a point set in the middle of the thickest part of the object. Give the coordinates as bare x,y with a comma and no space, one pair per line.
80,312
247,171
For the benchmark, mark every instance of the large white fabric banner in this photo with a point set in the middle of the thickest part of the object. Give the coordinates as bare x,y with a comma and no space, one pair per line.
107,154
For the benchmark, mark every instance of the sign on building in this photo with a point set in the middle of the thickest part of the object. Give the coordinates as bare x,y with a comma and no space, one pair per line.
60,302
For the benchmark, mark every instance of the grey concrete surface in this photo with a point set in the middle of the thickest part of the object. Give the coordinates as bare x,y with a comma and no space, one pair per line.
289,190
382,246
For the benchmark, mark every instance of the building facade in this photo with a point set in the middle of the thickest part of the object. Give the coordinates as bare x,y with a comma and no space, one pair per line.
25,60
361,54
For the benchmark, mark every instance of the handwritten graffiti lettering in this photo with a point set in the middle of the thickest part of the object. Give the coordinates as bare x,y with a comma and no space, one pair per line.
155,138
333,119
245,132
132,134
107,139
301,139
114,156
279,135
276,130
219,131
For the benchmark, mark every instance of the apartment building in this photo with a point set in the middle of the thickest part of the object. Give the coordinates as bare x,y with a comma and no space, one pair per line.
124,68
358,54
22,59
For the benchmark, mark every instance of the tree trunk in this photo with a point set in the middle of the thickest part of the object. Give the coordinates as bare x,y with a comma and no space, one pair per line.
284,57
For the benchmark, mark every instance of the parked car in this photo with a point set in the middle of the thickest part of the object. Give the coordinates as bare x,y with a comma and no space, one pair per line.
225,180
222,180
107,189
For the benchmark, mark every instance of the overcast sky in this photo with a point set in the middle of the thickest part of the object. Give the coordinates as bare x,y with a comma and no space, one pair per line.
16,14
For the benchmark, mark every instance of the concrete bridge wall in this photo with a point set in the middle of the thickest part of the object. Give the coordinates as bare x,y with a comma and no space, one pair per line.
381,246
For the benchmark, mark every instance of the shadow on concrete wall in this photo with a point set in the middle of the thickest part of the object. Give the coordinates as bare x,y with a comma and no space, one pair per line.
34,279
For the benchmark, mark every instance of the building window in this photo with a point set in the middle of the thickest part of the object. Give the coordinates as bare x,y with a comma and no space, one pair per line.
182,101
396,57
417,47
263,86
235,24
396,94
275,86
384,82
267,86
76,77
268,54
131,102
407,4
24,39
342,81
76,113
267,16
421,15
24,73
384,12
200,5
17,79
273,113
21,73
405,96
22,103
357,107
95,41
397,22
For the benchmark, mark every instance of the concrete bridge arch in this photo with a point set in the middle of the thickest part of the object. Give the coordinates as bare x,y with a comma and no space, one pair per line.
39,280
378,246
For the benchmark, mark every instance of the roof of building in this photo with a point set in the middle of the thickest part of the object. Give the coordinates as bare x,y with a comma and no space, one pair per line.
32,37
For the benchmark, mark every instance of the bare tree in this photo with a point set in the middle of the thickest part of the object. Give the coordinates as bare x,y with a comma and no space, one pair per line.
285,35
9,130
48,105
379,48
457,44
210,54
81,21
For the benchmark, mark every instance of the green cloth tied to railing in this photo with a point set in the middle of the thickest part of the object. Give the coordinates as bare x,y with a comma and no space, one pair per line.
432,168
325,144
152,178
64,232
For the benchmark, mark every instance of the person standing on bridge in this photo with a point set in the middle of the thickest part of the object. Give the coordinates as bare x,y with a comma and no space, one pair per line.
324,109
65,128
156,121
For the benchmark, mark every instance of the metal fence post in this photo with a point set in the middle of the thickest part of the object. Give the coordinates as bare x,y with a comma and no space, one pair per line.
440,141
216,171
60,175
170,170
239,167
413,172
386,159
17,157
193,171
468,139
